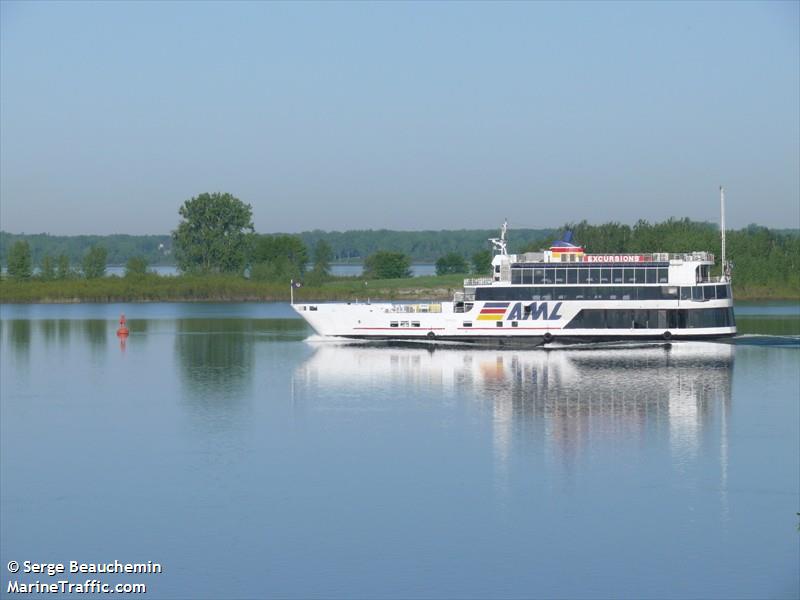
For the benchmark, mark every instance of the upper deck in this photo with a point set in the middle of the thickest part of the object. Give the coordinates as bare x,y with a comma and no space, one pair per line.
567,264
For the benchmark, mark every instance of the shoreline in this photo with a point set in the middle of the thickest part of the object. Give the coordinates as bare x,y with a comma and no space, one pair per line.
228,288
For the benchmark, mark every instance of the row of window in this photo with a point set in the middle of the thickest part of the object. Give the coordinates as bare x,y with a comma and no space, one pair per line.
403,324
652,319
705,292
591,275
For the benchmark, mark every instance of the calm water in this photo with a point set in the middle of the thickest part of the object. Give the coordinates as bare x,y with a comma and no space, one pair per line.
252,462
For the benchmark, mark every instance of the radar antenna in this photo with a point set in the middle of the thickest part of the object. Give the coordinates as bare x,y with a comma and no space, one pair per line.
500,243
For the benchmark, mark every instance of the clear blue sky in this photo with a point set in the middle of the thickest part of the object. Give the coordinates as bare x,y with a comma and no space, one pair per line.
397,115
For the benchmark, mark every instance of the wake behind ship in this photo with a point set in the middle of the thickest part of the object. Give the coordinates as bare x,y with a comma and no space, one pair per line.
562,294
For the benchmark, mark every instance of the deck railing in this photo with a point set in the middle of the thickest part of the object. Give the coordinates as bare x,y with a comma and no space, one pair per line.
477,281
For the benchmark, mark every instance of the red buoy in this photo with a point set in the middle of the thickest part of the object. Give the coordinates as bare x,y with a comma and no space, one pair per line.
123,330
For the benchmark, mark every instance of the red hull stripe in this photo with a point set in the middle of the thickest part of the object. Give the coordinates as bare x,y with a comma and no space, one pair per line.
402,328
498,329
493,311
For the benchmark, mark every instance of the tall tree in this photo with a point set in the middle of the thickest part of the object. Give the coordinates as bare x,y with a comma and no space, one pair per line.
20,264
452,262
323,254
47,268
482,262
94,263
136,265
279,257
387,265
62,267
215,234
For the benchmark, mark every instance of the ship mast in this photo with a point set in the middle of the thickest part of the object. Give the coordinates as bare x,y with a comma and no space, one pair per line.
722,228
500,243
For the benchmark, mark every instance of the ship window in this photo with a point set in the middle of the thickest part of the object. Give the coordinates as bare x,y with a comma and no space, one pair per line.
669,293
514,324
527,276
605,275
561,276
663,275
651,275
499,323
583,275
497,268
538,276
709,292
312,308
640,275
516,276
403,323
697,293
467,323
649,293
415,323
572,276
393,324
686,293
629,276
722,292
617,273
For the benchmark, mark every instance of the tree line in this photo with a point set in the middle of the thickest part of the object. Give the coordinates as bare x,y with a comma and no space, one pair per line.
215,235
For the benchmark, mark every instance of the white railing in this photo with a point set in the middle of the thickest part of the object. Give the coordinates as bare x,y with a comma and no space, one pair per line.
693,257
477,281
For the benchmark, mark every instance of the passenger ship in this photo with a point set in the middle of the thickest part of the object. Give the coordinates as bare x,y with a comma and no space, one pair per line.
563,294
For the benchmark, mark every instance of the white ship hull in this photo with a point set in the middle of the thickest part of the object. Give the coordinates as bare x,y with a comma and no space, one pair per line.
547,322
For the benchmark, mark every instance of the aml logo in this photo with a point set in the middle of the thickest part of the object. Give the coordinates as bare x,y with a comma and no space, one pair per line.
534,311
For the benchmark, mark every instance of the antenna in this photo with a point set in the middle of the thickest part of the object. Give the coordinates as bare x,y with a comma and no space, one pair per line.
500,243
722,226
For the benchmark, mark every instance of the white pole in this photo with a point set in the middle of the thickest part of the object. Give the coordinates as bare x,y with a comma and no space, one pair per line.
722,224
291,292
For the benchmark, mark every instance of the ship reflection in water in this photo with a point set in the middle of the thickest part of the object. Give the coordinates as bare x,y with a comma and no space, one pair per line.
573,399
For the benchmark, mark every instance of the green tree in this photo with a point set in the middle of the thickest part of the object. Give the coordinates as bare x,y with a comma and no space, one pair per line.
451,262
323,254
136,265
215,234
482,262
47,268
387,265
62,267
269,248
20,264
94,263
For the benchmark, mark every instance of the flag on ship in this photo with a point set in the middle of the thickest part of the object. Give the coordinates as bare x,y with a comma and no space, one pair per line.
493,311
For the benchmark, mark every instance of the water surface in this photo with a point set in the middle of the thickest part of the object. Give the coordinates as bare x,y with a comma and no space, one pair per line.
252,462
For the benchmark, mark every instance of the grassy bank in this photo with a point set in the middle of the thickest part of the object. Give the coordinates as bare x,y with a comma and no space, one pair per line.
221,288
